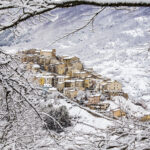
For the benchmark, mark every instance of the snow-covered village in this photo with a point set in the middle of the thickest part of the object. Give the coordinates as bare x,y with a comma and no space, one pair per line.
68,75
74,74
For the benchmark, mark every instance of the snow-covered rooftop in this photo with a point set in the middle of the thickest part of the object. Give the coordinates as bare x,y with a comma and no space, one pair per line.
36,66
70,81
79,80
46,50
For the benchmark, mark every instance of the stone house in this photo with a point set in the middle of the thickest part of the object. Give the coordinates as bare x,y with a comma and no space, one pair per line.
52,68
48,80
70,71
66,60
80,74
41,60
70,83
30,51
102,106
73,94
29,66
54,61
88,82
94,99
70,93
60,68
36,58
98,84
103,85
53,52
66,91
79,83
145,118
46,67
48,53
70,60
112,94
114,86
44,79
77,65
60,86
24,58
47,60
30,58
60,78
118,113
61,58
80,88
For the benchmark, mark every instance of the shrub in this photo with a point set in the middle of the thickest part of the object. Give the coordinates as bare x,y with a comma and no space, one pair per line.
58,119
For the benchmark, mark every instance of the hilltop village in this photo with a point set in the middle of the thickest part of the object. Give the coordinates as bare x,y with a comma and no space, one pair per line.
69,76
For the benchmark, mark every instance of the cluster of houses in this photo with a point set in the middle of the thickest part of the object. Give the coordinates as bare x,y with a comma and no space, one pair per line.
69,76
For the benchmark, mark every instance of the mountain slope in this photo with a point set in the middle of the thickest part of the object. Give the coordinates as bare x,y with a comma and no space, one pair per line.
117,47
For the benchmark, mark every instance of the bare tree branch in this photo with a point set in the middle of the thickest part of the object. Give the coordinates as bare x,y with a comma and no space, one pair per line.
30,9
90,21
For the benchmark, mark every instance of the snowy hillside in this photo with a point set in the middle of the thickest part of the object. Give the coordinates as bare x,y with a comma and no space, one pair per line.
116,47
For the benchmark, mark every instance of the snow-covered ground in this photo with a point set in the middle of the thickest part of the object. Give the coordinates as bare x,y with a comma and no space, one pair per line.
85,132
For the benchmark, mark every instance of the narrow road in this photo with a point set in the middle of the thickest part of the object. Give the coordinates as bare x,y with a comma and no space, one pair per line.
92,112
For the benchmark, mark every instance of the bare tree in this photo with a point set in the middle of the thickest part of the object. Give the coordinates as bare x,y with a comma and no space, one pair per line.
14,12
21,115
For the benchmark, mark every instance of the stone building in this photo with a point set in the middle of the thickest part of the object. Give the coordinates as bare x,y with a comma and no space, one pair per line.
44,79
77,66
102,106
94,99
36,58
88,82
47,60
60,68
23,58
30,58
48,53
60,78
70,83
70,60
41,60
29,66
79,83
118,113
145,118
54,61
70,93
30,51
114,86
60,86
80,74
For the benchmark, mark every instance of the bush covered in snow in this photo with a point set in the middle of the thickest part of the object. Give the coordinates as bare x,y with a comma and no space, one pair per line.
58,119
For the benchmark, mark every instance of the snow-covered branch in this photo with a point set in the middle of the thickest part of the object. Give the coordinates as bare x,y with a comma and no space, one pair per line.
25,9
